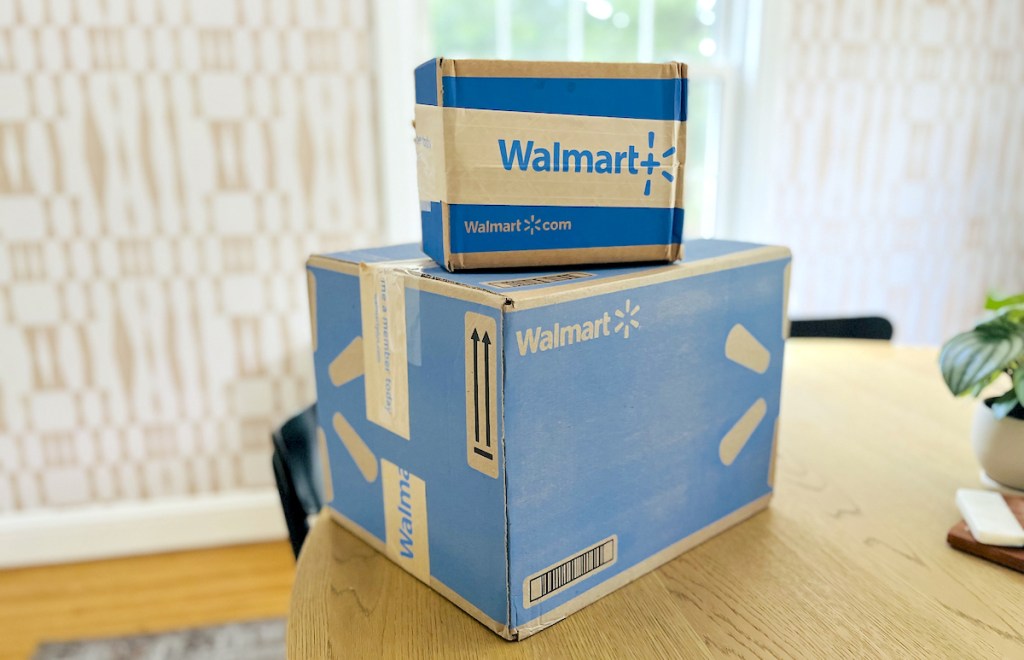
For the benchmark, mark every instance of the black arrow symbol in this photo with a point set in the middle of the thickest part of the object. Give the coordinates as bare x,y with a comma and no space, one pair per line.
476,385
487,383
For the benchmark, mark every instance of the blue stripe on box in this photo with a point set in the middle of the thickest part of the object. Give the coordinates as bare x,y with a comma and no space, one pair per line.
630,98
432,231
588,227
426,83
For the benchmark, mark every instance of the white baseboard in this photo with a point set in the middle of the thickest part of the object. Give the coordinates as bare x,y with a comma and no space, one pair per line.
135,528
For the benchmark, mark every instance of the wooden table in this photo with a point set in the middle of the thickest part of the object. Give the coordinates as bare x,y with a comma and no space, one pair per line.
850,559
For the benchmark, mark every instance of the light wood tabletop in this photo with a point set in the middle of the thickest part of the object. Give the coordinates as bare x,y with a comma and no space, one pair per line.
849,560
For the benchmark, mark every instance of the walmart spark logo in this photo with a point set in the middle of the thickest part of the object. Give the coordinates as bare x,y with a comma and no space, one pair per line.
625,316
343,369
650,164
559,158
562,334
532,224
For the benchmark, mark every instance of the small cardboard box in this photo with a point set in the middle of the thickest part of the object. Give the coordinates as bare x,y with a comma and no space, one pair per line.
550,163
526,443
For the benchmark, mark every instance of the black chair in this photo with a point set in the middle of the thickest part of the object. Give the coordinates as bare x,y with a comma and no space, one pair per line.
298,472
864,327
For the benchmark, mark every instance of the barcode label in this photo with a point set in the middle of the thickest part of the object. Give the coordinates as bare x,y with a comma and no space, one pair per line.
534,281
557,577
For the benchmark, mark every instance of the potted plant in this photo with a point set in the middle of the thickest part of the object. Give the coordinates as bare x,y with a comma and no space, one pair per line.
973,360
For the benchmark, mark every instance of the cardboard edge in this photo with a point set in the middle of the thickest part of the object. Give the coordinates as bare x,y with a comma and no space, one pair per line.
446,250
786,276
417,280
660,558
311,299
441,588
549,69
624,254
773,459
493,625
328,263
446,233
444,64
504,473
545,296
438,63
472,294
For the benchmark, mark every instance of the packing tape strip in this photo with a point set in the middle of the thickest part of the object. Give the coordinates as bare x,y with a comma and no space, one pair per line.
430,159
460,159
385,340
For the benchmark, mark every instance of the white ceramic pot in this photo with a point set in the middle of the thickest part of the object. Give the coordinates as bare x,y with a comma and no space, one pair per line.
999,445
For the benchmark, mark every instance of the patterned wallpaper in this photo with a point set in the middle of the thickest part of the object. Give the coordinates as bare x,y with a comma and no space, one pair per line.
897,158
166,166
165,169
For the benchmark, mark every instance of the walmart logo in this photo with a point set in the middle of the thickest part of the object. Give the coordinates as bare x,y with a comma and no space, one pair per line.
626,320
559,158
560,335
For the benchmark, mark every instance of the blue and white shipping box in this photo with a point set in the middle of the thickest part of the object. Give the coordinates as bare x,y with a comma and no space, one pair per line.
526,443
550,163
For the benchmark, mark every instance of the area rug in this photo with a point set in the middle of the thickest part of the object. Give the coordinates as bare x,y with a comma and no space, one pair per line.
248,640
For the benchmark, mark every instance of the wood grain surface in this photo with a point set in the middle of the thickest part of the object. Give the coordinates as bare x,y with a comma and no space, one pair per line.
850,560
140,595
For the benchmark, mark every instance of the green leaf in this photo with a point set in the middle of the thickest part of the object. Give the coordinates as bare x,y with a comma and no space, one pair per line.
1002,406
1018,383
978,387
974,356
994,303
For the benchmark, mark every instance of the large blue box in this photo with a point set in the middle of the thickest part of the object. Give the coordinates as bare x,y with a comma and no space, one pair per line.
525,443
550,163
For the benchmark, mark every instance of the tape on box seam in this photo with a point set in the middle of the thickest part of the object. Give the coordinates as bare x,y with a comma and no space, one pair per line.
382,300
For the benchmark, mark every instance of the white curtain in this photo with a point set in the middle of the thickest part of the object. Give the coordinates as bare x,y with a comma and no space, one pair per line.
893,158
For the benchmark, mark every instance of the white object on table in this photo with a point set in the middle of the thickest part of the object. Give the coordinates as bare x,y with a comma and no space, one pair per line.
989,518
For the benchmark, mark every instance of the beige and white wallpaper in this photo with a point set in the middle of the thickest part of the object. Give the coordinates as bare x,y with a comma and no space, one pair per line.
897,158
165,168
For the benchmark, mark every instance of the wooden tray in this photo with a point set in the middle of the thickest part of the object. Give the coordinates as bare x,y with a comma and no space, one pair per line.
960,538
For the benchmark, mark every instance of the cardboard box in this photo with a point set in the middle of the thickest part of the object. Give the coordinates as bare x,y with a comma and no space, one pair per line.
550,163
525,443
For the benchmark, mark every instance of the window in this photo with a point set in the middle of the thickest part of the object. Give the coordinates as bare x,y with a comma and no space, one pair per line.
702,33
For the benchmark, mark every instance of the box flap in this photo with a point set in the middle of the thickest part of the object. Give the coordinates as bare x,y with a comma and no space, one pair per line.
529,288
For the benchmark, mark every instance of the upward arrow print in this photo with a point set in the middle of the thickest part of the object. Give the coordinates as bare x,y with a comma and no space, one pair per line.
476,383
487,384
481,448
486,340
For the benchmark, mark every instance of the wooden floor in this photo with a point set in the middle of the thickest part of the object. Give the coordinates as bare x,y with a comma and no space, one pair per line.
142,594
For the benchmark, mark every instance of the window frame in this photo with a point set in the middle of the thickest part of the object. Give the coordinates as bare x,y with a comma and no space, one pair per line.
399,46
